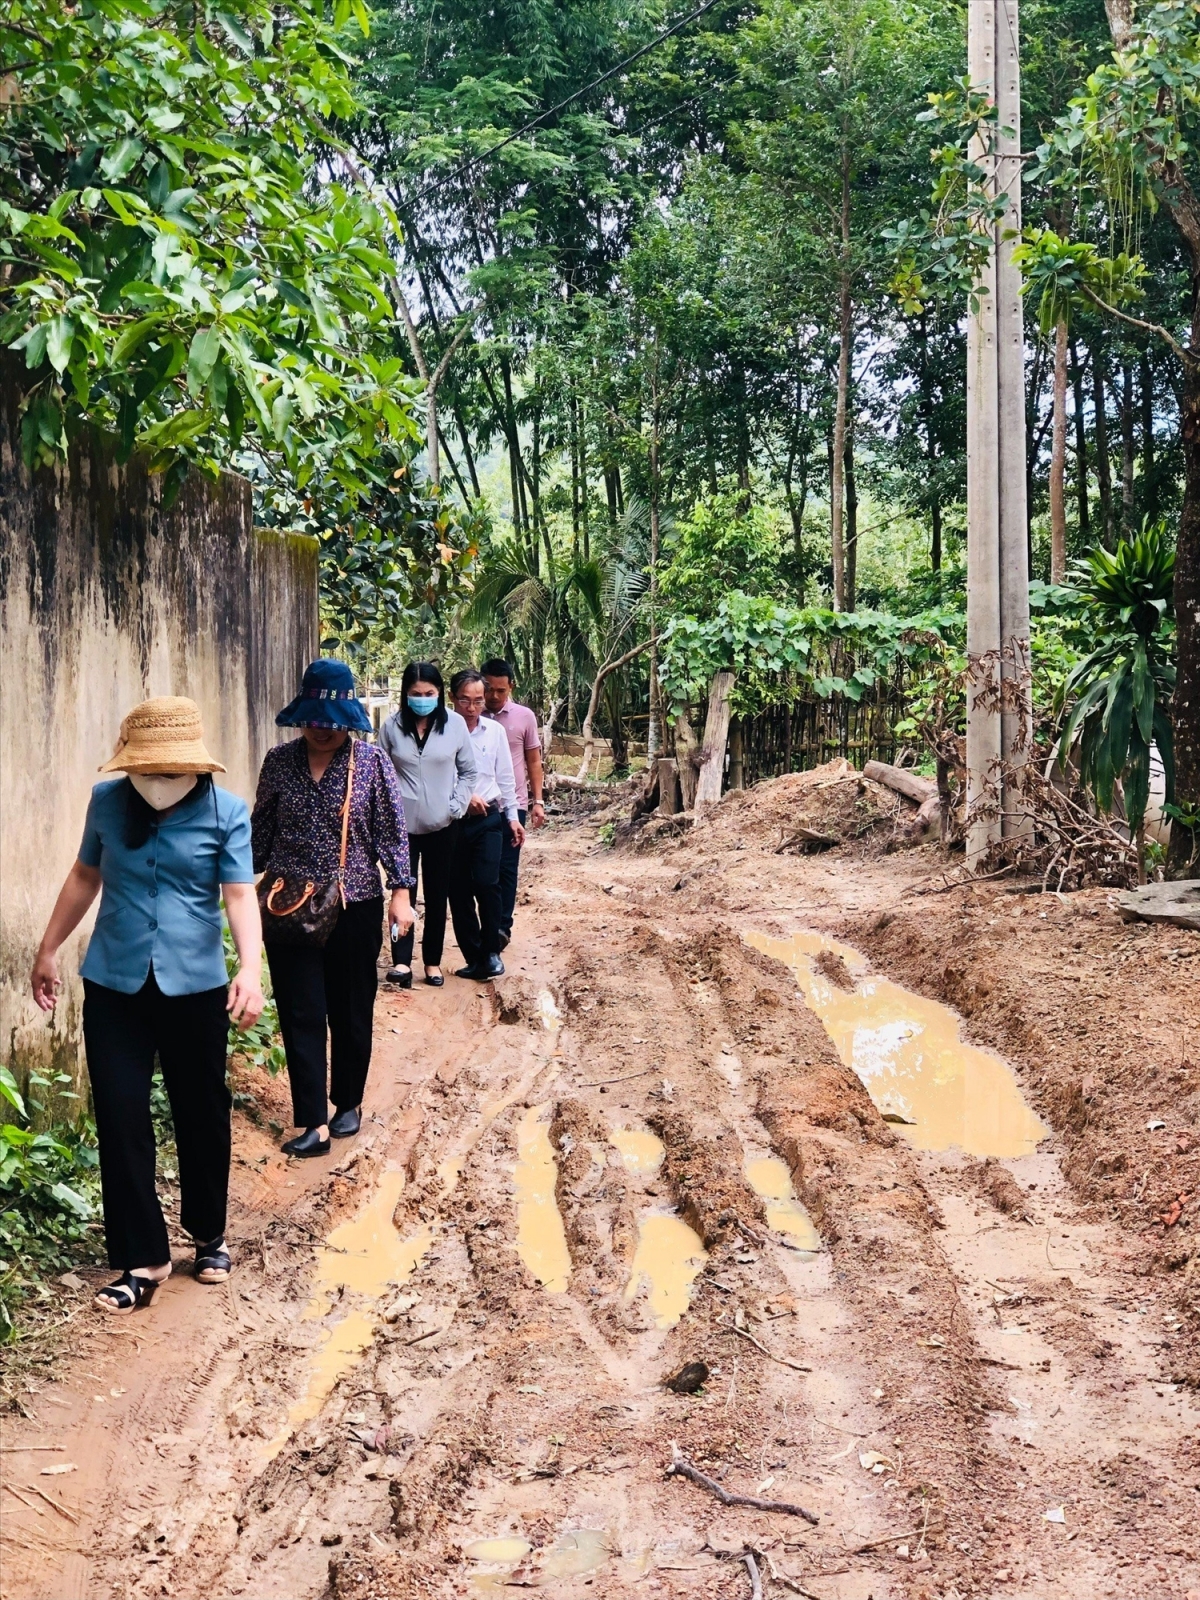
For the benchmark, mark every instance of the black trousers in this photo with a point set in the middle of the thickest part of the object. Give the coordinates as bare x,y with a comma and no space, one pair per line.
333,987
510,865
189,1033
475,900
434,852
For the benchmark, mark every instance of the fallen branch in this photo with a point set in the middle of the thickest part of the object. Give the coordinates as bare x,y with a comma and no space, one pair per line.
755,1578
809,837
910,784
785,1579
783,1360
62,1510
603,1083
681,1467
878,1544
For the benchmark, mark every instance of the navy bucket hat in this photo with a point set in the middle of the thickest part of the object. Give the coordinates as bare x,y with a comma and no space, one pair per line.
326,700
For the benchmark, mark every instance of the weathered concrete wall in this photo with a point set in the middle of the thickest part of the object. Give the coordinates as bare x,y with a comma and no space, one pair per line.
105,599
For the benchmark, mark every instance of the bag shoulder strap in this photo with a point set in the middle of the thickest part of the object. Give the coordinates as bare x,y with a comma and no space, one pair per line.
346,825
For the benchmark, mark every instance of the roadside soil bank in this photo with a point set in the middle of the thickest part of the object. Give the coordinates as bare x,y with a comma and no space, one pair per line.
440,1369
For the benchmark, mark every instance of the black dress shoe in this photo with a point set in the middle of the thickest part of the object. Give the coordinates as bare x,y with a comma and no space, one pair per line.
345,1124
488,967
400,979
435,982
308,1143
503,942
471,970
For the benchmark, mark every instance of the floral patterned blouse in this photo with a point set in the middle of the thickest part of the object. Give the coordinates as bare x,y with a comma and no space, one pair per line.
297,824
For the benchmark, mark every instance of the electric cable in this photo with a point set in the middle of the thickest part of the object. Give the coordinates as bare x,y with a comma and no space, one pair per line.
543,116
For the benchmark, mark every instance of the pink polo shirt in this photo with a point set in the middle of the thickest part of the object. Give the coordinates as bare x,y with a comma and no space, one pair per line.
521,728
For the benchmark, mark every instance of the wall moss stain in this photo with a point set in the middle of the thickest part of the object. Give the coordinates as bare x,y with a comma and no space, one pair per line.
107,597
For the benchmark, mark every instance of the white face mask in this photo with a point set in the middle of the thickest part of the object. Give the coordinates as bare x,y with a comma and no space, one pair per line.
162,792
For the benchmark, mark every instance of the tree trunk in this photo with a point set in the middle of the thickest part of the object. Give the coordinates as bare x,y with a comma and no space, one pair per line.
589,741
668,787
653,740
686,753
1149,480
716,736
737,754
851,523
1058,461
837,468
845,355
1185,703
1103,459
935,506
1127,512
1081,460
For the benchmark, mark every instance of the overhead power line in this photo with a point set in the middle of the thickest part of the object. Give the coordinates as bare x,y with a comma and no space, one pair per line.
544,116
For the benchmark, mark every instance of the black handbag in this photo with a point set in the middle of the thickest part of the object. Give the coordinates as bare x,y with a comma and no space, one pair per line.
304,911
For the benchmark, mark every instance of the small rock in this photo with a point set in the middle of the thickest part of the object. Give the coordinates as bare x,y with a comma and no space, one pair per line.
331,1538
689,1379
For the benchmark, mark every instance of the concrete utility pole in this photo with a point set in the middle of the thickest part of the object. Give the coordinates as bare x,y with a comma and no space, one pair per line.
999,703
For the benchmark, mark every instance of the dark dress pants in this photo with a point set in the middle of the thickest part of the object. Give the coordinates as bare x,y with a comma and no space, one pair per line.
334,987
434,852
510,865
189,1033
475,900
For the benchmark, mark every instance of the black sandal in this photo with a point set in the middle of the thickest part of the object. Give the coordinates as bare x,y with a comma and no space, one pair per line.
212,1262
129,1293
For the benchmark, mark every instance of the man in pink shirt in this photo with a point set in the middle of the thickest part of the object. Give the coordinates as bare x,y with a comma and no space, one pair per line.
521,729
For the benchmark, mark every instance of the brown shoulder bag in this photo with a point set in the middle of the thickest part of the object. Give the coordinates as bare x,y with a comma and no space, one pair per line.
299,910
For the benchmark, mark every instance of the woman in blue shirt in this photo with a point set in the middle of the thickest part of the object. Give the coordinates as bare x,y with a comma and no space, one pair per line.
164,844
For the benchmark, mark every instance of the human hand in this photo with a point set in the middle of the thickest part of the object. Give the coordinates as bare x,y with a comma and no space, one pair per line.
518,835
245,1001
537,815
401,915
45,979
476,807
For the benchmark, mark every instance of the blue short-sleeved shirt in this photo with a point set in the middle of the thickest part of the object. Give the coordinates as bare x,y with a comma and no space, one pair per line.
161,904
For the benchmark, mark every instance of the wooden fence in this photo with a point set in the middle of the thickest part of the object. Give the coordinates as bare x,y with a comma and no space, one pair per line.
811,731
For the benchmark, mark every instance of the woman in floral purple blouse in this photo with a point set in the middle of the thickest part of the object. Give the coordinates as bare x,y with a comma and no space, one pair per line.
296,826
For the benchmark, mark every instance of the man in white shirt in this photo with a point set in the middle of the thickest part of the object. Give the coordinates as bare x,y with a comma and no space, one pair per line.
476,904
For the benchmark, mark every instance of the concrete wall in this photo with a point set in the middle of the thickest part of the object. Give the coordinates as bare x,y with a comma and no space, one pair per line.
106,599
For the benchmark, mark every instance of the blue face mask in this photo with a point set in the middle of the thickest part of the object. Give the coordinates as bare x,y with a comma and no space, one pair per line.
422,705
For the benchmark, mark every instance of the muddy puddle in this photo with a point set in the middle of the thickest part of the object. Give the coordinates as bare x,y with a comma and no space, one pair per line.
640,1150
360,1258
541,1239
940,1092
576,1553
668,1259
772,1182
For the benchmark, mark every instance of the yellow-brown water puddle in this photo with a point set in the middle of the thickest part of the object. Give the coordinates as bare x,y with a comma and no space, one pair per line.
669,1256
578,1551
772,1182
541,1240
908,1053
363,1255
640,1150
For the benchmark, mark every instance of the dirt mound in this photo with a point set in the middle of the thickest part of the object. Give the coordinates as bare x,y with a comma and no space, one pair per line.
802,813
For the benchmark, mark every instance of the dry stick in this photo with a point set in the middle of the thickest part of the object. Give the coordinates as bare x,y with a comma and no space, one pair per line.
877,1544
755,1579
683,1468
787,1581
37,1510
62,1510
7,1447
604,1082
783,1360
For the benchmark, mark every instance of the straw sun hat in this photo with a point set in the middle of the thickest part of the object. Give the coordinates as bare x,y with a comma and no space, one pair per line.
162,735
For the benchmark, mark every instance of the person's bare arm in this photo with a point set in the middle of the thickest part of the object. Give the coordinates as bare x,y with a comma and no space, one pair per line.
245,1001
537,810
76,895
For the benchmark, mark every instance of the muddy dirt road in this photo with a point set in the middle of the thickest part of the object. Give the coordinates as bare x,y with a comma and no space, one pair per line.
439,1369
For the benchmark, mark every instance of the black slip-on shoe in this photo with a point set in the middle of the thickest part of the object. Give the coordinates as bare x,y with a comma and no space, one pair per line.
308,1143
400,977
471,970
489,967
345,1124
